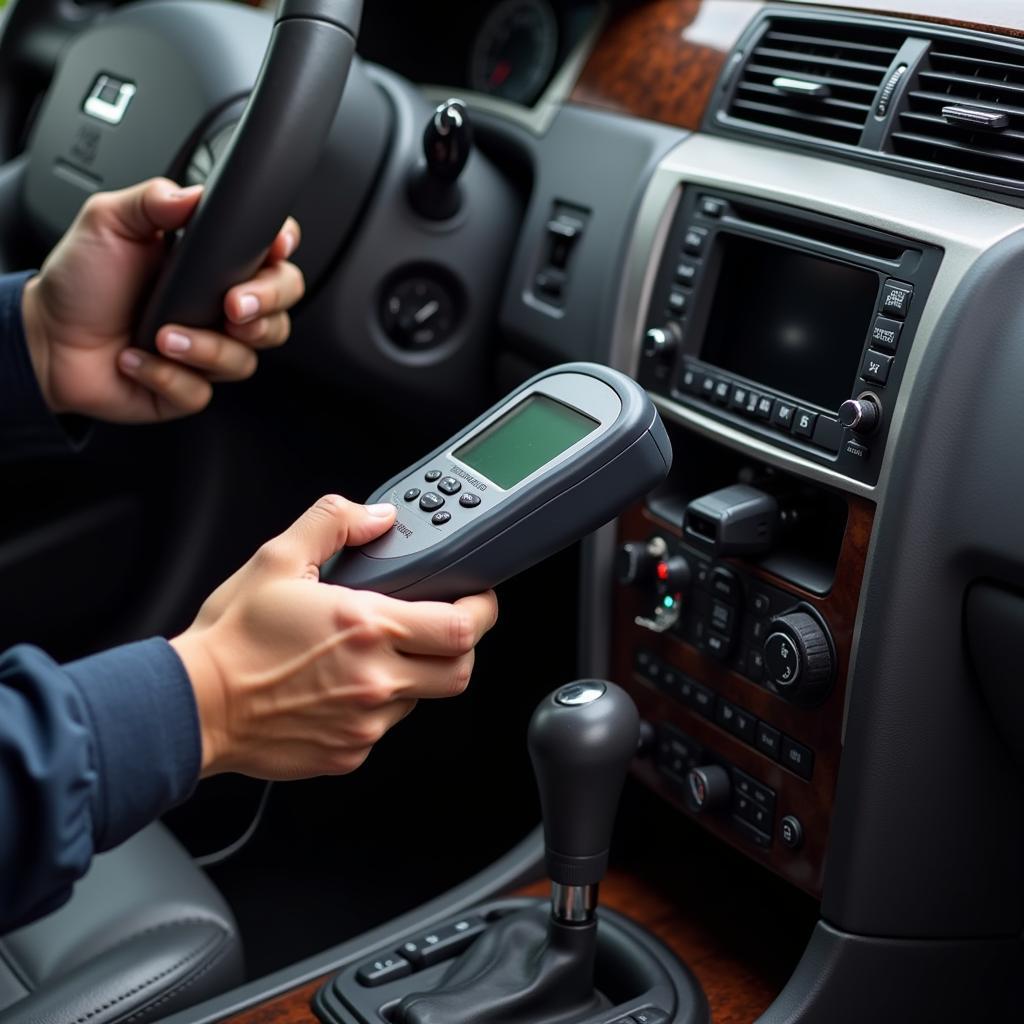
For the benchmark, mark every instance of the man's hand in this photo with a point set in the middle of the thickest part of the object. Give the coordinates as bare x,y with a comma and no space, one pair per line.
295,678
80,312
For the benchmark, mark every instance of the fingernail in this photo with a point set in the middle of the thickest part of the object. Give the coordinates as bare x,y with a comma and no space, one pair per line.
289,243
186,193
381,511
248,306
175,341
131,360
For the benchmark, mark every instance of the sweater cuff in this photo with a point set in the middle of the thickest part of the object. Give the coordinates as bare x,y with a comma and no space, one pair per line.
27,426
144,717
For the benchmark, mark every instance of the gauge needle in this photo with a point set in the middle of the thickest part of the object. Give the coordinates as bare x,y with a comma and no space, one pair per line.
501,71
424,313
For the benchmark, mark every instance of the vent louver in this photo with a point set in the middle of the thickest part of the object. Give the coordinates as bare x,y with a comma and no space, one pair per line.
971,83
814,78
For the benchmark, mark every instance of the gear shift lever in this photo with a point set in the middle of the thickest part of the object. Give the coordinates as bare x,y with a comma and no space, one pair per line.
537,968
582,738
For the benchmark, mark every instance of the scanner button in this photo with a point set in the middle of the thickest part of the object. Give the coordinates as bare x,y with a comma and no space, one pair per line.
449,485
440,518
431,502
469,500
412,494
432,475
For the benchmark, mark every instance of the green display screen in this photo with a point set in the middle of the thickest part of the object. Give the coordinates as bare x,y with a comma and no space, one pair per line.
530,436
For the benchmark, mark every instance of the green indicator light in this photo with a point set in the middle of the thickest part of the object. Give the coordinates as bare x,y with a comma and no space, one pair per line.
668,602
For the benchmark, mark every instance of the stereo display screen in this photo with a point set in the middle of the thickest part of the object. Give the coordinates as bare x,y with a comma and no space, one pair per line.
788,320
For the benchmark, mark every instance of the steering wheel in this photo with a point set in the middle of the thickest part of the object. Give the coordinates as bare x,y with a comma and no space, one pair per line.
87,136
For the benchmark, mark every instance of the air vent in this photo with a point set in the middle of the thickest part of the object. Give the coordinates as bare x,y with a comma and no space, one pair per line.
965,111
814,78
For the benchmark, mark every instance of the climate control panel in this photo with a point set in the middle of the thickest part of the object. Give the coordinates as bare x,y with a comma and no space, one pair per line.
739,662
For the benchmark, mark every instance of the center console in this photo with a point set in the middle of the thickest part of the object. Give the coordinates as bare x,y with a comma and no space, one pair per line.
776,341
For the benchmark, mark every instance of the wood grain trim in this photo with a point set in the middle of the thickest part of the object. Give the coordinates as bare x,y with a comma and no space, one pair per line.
818,728
660,60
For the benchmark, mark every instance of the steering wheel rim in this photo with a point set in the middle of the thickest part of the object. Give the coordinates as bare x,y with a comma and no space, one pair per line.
272,154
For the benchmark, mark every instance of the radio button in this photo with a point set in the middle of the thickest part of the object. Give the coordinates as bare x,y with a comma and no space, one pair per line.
686,272
693,241
803,423
783,415
876,367
765,407
708,385
886,333
692,380
896,296
769,741
828,433
739,398
722,389
724,584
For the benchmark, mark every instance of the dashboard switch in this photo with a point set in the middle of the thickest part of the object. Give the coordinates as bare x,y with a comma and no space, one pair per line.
709,788
896,296
382,970
876,367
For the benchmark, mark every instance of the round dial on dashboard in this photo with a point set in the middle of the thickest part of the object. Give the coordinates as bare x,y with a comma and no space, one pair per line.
798,656
514,51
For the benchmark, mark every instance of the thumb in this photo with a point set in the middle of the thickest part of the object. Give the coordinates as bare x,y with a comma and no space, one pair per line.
140,212
331,524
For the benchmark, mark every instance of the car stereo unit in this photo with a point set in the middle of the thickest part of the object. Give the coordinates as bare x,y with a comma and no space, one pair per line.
785,324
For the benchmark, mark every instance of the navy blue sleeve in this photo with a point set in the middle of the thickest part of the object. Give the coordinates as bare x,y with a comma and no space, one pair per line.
27,427
90,752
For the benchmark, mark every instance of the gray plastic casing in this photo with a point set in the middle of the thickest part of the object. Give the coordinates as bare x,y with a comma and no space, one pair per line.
512,529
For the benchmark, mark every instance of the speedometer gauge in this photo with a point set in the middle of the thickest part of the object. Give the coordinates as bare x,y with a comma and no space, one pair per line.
514,51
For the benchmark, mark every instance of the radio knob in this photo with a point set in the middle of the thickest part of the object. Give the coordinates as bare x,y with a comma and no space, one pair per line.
662,342
862,415
798,657
709,788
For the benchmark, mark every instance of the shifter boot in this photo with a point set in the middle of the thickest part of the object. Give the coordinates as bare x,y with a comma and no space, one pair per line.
525,969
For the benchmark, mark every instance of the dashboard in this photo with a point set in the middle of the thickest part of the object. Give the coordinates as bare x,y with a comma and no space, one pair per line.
508,49
801,228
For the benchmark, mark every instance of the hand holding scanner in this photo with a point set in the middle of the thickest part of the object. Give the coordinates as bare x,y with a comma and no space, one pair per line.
563,454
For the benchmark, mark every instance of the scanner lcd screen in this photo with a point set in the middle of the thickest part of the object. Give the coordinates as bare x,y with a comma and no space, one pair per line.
536,431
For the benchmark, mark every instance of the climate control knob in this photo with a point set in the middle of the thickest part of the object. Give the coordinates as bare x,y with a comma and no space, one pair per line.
709,788
798,657
862,415
662,342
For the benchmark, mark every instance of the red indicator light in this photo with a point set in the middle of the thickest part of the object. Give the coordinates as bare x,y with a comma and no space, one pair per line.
663,570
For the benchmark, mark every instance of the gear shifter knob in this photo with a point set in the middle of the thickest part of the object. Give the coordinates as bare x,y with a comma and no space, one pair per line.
582,738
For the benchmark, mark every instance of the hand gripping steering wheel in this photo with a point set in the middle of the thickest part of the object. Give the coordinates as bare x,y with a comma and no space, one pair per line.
271,156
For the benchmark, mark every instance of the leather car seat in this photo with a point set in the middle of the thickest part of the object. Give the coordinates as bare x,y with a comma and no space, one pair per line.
144,934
